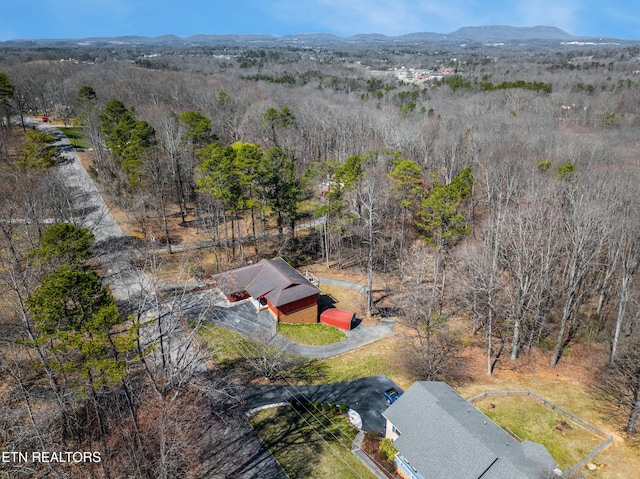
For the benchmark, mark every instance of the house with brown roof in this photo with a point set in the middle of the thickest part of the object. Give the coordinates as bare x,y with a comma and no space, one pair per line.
274,285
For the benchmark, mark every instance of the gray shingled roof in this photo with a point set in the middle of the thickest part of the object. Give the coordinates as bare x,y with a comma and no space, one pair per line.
273,279
443,435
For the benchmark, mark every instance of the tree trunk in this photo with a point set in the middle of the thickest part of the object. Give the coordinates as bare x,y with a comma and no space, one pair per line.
165,222
226,233
233,235
490,363
566,314
280,222
370,268
436,276
253,229
634,416
240,246
182,203
401,255
515,342
326,238
622,306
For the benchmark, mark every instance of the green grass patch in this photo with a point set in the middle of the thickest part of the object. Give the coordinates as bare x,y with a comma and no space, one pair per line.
224,346
75,136
317,446
311,334
372,360
567,442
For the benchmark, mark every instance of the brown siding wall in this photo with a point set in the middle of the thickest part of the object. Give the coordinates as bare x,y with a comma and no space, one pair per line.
308,315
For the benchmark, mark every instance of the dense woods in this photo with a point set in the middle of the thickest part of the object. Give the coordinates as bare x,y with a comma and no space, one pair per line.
503,195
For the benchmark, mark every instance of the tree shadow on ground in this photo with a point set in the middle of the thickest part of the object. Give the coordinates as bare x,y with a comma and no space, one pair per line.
311,372
117,244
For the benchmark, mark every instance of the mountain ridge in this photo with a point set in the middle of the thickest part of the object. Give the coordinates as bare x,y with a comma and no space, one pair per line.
489,33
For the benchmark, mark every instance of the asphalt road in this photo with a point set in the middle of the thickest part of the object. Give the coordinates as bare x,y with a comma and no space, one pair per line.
365,396
116,251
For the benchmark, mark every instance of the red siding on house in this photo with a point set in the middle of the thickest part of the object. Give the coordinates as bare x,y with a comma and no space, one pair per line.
286,312
299,304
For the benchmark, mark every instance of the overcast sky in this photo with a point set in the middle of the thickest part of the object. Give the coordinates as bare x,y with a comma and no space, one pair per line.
87,18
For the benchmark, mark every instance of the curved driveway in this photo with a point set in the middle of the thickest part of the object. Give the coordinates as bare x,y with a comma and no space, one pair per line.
356,338
243,318
365,396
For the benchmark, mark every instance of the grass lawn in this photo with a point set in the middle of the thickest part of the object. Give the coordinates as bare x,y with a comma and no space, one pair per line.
377,359
528,419
311,334
75,136
306,446
224,346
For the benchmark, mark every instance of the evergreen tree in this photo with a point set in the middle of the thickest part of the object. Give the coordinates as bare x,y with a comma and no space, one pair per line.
443,221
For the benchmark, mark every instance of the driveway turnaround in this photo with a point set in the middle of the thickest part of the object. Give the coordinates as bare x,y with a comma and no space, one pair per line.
243,318
356,338
365,396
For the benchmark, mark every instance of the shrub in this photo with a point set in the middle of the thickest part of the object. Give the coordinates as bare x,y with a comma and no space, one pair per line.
371,435
387,449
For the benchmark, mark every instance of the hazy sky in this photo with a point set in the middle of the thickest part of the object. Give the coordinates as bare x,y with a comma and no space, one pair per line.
86,18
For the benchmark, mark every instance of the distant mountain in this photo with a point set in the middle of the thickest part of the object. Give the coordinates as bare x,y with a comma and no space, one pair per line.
493,34
501,33
369,37
421,37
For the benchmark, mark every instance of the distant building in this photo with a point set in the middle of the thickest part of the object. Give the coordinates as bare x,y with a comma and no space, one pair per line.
439,434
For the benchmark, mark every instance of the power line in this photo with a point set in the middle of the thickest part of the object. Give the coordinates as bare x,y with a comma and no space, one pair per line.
300,394
348,446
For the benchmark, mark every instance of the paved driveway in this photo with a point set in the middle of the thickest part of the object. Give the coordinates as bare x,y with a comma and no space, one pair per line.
356,338
240,317
243,318
365,396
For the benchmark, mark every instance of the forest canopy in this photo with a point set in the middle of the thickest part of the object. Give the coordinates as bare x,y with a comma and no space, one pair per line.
493,193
